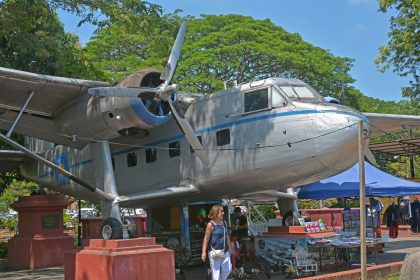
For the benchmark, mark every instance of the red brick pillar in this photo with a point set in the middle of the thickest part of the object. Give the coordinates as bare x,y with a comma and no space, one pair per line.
40,241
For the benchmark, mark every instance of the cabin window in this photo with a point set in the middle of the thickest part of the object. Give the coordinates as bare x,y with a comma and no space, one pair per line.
256,100
201,142
131,159
151,155
174,149
223,137
113,163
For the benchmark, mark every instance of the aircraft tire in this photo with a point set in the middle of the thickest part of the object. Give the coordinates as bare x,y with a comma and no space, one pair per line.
290,219
111,229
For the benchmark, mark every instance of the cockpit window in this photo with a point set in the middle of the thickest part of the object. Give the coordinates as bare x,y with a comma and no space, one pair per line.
277,100
297,92
289,91
303,92
256,100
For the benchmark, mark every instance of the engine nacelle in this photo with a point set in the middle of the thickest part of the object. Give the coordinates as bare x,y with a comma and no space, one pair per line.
104,118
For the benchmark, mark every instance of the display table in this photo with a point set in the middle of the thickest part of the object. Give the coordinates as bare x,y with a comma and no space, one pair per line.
347,249
340,245
280,243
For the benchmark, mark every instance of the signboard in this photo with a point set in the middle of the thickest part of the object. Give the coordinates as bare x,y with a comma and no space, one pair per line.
50,221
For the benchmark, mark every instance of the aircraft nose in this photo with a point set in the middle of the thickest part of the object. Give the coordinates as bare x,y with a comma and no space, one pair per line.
338,146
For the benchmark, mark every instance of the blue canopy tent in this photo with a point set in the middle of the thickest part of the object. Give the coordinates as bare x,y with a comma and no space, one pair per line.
346,184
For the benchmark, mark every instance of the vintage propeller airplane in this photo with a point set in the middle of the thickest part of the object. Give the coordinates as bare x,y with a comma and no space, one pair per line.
143,143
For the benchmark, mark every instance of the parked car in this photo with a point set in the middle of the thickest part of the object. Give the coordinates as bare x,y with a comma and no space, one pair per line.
88,212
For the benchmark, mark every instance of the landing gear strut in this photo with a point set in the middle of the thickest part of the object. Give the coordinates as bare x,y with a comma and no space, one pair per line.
291,218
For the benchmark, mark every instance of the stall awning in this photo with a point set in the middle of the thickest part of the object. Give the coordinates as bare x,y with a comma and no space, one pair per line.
410,146
346,184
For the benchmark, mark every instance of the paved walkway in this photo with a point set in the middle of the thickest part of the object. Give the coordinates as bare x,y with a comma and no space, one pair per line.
395,250
54,273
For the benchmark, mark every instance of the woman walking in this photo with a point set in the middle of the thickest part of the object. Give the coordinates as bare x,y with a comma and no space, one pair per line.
219,246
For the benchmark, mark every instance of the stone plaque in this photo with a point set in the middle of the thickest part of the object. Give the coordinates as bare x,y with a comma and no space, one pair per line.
50,221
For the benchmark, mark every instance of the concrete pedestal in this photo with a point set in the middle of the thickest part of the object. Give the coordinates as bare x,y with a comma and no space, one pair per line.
40,242
138,258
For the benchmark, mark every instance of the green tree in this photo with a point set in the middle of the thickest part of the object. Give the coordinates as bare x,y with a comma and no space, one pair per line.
228,48
102,13
39,43
14,190
32,38
137,42
266,210
355,99
402,52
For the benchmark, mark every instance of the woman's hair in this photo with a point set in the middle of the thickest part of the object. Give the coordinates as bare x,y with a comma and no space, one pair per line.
214,211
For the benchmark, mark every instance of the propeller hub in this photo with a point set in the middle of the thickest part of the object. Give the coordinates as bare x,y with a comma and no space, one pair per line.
166,92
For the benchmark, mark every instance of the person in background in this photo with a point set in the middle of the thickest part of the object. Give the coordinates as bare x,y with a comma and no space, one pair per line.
218,237
236,256
240,228
201,219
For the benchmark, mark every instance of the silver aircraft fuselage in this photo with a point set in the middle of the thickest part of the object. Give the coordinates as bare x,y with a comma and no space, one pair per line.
282,142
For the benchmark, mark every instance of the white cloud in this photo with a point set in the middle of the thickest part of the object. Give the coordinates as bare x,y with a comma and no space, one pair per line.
362,27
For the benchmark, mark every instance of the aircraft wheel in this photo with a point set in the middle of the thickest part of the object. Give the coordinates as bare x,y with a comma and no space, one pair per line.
111,229
290,219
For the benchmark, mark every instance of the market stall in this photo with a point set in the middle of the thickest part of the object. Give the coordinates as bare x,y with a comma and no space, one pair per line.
345,185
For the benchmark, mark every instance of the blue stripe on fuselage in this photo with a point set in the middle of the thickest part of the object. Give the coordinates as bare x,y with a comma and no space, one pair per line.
220,126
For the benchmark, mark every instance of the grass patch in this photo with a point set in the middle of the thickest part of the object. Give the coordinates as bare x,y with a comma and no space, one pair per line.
394,277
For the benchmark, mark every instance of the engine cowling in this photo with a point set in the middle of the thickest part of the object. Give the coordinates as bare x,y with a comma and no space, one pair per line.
105,118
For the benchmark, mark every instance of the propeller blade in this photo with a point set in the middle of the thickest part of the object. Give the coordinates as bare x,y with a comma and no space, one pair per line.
190,135
169,70
166,90
144,92
369,155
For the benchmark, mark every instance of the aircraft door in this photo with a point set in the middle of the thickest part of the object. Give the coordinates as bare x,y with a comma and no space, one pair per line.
252,130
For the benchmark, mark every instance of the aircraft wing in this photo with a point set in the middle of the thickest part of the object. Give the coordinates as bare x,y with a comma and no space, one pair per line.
391,123
10,160
51,94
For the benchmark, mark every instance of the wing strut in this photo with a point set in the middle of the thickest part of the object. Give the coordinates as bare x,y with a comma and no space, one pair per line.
52,165
9,133
6,139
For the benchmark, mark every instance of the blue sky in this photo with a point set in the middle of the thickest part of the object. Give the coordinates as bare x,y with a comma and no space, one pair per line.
350,28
